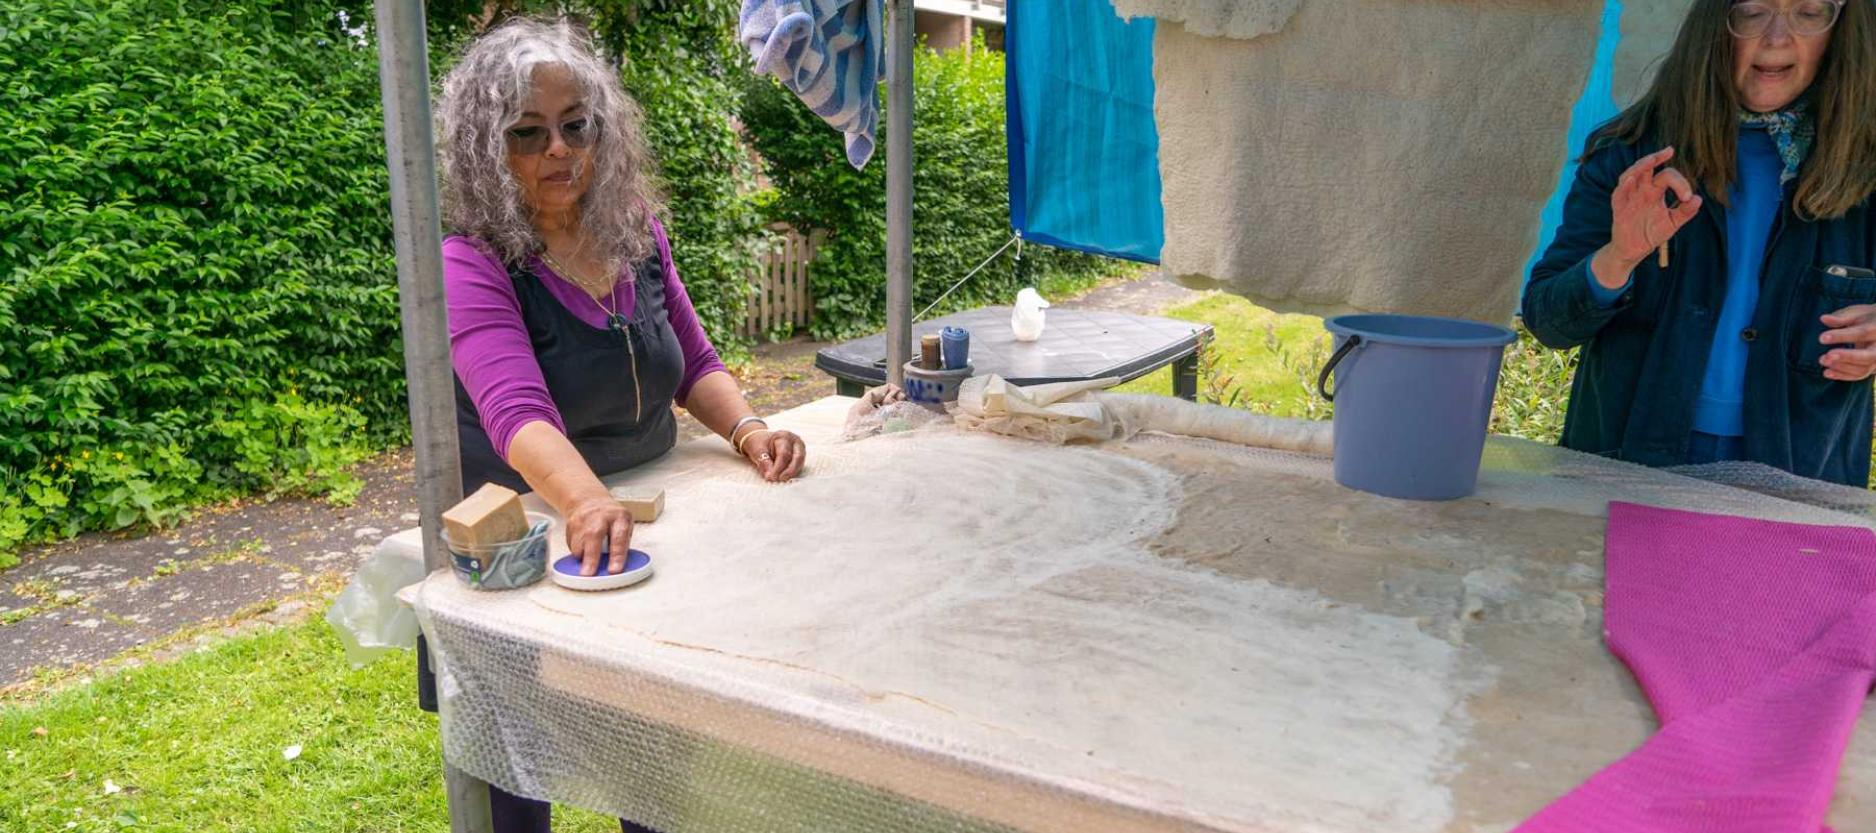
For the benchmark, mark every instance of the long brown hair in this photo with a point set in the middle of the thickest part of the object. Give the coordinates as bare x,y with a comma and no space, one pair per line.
1692,105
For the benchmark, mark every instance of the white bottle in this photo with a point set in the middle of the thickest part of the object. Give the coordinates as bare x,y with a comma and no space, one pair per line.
1027,318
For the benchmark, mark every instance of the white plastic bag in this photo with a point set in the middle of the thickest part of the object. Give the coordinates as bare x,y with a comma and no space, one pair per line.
367,616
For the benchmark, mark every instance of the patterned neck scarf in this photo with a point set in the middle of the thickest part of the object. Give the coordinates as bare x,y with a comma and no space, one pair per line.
1792,131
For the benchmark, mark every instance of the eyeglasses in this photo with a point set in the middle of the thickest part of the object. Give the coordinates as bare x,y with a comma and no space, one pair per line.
533,139
1748,21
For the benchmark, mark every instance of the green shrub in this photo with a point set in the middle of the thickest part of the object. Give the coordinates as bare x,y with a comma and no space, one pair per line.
192,218
1533,390
197,284
1533,382
290,446
682,63
960,203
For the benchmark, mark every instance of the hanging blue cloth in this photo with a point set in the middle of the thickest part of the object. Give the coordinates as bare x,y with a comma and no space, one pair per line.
828,52
1084,152
1595,106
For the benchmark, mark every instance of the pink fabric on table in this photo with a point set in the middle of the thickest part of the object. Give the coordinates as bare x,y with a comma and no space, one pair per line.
489,346
1755,641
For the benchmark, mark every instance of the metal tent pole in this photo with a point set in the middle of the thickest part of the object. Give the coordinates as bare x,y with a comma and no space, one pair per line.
404,82
899,46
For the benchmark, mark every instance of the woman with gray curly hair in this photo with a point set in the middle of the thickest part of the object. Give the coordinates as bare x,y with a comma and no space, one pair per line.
570,332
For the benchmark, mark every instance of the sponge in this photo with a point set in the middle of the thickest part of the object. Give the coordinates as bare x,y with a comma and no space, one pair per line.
490,517
644,504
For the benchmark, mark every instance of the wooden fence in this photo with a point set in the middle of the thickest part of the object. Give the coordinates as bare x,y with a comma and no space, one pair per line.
781,282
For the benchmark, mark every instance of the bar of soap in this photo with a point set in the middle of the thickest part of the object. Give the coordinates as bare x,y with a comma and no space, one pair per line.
645,505
490,517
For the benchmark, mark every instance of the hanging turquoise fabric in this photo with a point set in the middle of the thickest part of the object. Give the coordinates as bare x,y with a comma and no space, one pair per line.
1084,152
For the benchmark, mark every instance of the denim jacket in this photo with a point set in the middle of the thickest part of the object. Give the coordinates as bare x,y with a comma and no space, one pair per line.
1643,357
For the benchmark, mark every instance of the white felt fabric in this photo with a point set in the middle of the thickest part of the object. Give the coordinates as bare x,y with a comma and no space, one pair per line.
1374,155
1038,557
936,631
1078,412
1056,413
1215,18
1139,412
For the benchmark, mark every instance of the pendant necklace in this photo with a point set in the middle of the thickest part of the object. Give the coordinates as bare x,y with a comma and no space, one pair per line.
614,321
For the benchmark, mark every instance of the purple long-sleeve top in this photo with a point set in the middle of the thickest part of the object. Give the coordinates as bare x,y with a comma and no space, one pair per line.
489,345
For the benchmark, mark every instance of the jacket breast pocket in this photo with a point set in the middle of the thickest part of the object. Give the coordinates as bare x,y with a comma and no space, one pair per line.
1825,289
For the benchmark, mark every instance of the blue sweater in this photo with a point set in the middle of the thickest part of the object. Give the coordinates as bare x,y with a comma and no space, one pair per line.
1755,195
1721,408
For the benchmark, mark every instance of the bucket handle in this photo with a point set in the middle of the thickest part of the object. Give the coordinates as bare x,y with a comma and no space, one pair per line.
1322,380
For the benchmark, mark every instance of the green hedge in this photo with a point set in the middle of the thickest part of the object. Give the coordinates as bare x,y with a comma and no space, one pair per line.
197,285
683,64
960,209
194,287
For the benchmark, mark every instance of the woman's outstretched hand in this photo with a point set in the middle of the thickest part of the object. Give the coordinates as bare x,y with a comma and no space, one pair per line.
777,455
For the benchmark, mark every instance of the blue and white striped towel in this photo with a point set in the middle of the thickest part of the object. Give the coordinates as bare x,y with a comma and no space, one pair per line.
828,52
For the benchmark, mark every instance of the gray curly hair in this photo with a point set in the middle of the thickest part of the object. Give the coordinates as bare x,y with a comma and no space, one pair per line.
485,94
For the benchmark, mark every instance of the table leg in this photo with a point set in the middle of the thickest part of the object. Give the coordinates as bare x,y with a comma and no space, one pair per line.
465,796
1186,377
468,799
426,679
848,387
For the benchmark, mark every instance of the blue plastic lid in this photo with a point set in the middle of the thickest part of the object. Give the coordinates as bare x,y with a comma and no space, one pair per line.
569,565
1420,330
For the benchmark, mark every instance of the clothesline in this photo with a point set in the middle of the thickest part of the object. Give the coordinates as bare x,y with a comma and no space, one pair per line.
1015,240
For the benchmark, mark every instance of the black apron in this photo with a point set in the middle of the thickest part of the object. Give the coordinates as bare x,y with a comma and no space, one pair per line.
613,390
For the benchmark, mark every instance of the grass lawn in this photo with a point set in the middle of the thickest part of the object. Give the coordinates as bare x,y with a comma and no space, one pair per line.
1259,355
1267,362
197,745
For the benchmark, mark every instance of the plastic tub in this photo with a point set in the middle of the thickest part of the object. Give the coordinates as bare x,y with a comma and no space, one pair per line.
509,565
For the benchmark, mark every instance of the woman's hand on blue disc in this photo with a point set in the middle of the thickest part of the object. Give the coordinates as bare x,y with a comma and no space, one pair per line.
599,529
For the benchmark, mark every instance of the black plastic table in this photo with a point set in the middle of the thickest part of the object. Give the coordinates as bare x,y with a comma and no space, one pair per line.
1076,345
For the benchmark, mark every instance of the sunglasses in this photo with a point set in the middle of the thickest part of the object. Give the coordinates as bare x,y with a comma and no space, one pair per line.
1748,21
533,139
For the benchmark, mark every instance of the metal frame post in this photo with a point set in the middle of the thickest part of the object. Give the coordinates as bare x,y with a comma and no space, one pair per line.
404,83
899,45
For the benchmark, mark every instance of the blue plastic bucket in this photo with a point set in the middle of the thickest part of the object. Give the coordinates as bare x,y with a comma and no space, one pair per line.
1413,396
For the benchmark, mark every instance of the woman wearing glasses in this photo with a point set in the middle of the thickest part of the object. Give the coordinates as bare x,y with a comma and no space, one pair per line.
570,332
1715,259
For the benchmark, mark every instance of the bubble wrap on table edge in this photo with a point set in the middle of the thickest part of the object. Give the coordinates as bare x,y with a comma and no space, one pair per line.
502,724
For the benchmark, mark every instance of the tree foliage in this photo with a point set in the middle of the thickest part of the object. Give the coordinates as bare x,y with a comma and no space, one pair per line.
960,203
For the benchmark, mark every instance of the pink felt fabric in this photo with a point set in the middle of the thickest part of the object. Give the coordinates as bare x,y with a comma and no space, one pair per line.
1755,642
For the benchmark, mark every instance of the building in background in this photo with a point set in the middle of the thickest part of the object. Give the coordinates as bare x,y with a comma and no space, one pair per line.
948,24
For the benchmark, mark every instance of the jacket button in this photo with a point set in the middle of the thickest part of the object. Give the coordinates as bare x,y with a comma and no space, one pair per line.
1749,335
